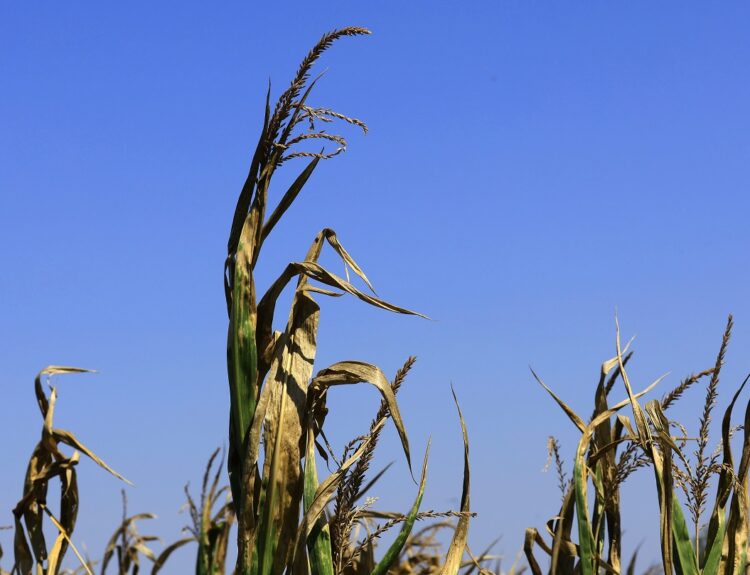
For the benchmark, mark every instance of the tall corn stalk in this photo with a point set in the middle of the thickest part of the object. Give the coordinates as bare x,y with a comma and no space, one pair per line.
273,400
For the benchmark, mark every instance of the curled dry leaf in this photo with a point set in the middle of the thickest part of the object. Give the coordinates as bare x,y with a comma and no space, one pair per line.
46,463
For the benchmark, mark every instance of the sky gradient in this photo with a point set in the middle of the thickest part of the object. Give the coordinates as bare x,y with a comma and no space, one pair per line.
531,167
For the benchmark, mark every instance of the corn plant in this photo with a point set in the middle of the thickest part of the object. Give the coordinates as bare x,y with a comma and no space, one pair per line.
351,556
127,545
210,529
212,519
277,407
423,551
652,441
48,462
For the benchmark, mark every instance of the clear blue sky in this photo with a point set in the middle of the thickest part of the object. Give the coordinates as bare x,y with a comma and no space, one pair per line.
530,167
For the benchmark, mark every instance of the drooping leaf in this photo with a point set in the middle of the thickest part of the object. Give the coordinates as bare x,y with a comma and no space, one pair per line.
164,555
353,372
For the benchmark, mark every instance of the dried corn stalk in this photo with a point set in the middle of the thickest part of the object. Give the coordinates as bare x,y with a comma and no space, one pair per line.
48,461
275,402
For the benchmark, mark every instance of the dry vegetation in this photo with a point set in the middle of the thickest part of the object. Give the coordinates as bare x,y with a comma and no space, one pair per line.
287,520
613,446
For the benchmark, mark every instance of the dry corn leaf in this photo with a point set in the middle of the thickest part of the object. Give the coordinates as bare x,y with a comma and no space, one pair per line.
164,555
460,537
353,372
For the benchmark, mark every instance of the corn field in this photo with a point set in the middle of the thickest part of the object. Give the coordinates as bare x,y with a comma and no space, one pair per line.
265,501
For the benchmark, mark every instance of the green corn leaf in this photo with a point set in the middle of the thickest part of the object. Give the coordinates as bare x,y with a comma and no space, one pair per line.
242,359
717,524
685,563
585,535
288,198
393,552
737,523
319,540
245,197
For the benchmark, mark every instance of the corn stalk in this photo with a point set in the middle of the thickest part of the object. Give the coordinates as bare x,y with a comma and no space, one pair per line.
273,401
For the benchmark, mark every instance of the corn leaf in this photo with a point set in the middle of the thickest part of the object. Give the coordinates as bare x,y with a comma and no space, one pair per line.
394,550
717,524
319,540
458,543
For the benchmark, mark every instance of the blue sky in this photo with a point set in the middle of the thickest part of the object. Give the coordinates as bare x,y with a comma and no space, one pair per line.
530,167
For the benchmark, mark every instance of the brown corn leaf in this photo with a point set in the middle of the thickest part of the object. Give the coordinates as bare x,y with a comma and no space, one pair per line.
267,304
68,438
330,235
52,370
164,555
119,532
283,430
353,372
68,513
562,558
528,548
577,421
21,550
461,534
315,271
53,561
